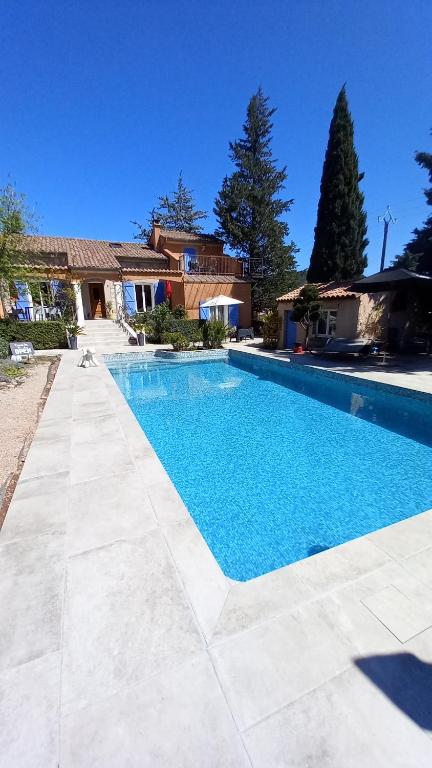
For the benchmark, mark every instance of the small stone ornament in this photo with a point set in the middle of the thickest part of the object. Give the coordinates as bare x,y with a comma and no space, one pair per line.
88,359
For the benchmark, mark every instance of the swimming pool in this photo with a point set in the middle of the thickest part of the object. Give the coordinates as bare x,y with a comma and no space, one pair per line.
275,462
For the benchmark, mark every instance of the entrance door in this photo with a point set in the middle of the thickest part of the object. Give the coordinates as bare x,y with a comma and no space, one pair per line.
97,300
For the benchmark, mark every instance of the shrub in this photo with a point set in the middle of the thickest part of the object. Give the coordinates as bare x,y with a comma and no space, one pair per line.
4,348
179,342
214,333
43,334
179,312
271,326
161,321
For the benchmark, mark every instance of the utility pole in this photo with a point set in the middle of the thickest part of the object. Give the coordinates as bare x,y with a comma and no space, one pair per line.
387,219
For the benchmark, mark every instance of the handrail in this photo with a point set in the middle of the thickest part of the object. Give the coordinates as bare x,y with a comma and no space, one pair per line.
124,325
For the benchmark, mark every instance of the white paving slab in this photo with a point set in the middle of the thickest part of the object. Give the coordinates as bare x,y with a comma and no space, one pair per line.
346,723
178,718
404,538
108,509
405,614
29,714
31,594
126,617
264,668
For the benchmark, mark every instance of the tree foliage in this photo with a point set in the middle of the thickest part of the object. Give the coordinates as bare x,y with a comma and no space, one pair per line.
421,244
306,308
16,219
174,211
340,233
249,208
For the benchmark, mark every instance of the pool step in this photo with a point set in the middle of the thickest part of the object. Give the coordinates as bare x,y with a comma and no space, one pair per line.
102,335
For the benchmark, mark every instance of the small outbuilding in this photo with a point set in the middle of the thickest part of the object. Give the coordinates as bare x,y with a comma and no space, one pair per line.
344,311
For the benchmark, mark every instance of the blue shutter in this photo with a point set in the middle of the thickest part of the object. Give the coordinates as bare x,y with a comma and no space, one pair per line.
233,315
204,312
130,298
160,292
23,303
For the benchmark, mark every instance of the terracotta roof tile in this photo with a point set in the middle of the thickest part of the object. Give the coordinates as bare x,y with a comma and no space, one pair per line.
89,254
332,290
215,279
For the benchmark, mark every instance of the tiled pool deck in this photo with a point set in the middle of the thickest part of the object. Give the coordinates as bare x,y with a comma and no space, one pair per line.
122,644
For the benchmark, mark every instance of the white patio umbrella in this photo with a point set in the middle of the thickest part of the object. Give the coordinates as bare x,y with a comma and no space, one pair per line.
221,301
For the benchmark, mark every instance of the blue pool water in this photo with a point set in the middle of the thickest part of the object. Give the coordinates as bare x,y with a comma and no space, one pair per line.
276,463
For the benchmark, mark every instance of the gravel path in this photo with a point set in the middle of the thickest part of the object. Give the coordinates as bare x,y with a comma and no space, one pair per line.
19,416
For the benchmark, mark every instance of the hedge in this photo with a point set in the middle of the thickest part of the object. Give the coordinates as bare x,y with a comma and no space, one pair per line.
188,328
4,348
43,334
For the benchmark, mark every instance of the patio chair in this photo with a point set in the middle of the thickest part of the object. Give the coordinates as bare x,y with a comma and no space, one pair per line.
245,333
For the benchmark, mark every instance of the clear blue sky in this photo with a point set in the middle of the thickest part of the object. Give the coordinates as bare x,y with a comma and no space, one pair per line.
104,102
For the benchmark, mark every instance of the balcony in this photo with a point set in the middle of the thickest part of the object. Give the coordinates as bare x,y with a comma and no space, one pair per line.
215,265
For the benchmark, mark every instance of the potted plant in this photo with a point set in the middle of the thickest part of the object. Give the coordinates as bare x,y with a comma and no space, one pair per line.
73,331
139,328
110,310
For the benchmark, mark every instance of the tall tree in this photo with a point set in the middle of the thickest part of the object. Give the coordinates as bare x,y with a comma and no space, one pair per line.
421,244
15,220
174,211
248,208
340,233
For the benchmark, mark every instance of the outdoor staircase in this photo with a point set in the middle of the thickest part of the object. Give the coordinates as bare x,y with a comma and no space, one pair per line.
103,336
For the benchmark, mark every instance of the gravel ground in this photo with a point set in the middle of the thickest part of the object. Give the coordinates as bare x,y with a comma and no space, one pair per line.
19,416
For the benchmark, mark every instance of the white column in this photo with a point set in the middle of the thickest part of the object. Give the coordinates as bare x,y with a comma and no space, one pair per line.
28,298
118,295
78,301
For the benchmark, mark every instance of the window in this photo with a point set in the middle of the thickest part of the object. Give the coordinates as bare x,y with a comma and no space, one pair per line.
144,294
326,324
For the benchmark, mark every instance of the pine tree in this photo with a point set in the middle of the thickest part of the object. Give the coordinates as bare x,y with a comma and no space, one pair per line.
340,232
175,211
421,244
248,208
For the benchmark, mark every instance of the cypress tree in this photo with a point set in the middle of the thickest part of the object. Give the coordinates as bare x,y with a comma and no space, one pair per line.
248,208
340,232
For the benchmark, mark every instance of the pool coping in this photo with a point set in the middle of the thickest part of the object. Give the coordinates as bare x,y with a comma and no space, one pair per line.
220,601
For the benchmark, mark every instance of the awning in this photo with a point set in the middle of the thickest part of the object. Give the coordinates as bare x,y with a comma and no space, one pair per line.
390,280
221,301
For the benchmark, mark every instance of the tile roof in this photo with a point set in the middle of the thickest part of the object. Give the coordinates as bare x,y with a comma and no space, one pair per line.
179,234
215,279
89,254
333,290
149,270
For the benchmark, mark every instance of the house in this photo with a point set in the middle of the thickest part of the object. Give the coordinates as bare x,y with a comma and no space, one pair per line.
186,268
343,313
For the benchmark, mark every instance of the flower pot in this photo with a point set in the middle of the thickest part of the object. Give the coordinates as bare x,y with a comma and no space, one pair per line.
73,342
140,339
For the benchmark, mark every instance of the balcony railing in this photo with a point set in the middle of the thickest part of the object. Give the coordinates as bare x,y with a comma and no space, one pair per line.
215,265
